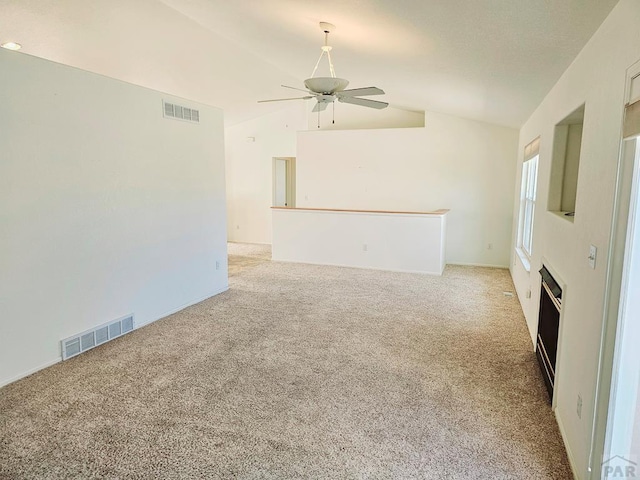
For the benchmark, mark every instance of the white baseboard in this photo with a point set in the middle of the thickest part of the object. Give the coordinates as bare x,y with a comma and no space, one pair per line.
59,359
30,372
488,265
572,462
421,272
241,242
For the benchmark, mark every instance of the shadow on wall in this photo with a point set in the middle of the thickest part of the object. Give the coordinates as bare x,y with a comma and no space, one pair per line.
342,116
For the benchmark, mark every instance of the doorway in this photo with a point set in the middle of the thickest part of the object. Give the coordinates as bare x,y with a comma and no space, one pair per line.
615,449
623,432
284,182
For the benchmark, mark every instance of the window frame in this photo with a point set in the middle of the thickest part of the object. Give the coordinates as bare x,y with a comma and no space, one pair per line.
528,195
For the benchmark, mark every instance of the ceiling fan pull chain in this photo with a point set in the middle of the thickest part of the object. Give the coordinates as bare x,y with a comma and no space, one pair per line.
318,118
333,119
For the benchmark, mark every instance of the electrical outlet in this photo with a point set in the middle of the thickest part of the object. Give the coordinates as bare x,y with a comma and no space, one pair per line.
365,247
579,406
593,253
217,265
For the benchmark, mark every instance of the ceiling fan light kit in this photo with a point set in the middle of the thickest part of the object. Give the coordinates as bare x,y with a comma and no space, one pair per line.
328,89
326,85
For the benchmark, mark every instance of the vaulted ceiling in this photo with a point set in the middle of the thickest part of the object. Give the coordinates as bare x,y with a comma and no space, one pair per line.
489,60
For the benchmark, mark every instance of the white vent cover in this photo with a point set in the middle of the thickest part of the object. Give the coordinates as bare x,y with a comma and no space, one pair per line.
84,341
171,110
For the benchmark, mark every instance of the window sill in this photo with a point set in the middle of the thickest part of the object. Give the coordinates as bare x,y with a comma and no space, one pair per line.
524,260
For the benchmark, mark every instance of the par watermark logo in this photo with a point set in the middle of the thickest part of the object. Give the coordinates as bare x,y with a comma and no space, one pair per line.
619,467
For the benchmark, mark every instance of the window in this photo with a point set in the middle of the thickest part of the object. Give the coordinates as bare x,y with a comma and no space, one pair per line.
528,198
528,203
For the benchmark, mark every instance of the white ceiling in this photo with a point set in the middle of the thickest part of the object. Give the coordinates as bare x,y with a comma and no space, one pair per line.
490,60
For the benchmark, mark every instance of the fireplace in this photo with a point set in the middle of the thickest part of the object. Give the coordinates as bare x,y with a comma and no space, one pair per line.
548,327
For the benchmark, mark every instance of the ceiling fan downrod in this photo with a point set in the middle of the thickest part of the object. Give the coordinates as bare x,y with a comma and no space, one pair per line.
326,49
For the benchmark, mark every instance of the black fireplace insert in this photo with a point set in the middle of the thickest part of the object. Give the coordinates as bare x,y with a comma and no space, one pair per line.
548,327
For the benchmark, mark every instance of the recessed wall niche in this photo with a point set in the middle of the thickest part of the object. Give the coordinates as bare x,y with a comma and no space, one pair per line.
565,164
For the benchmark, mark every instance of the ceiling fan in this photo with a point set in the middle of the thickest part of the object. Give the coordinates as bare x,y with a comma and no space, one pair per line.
327,90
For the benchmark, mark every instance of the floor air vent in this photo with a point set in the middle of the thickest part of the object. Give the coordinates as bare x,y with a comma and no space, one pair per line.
171,110
84,341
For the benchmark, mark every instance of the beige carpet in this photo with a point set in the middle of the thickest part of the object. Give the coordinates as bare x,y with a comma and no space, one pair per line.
300,372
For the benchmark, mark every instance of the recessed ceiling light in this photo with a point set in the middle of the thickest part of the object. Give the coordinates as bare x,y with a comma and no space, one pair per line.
11,46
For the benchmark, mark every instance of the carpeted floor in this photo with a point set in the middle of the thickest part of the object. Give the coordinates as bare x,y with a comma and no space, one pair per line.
300,371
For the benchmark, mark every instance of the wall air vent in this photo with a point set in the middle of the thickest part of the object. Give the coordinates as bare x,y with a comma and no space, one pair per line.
84,341
171,110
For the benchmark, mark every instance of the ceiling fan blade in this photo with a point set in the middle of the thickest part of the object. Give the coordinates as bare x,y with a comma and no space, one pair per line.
301,89
284,99
363,102
360,92
320,107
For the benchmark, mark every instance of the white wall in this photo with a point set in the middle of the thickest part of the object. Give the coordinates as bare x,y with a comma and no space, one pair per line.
106,207
250,148
596,77
463,165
